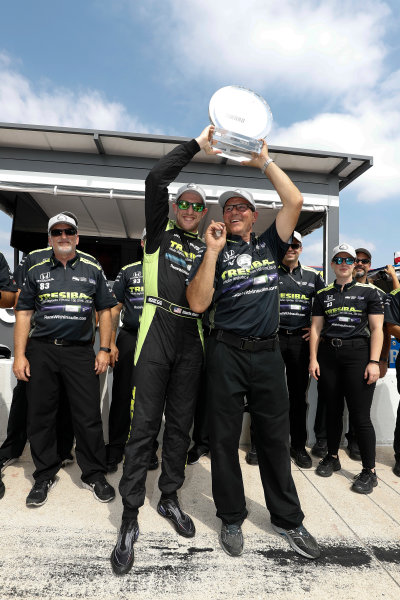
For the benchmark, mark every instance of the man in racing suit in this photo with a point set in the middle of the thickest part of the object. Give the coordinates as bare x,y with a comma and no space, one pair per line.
169,351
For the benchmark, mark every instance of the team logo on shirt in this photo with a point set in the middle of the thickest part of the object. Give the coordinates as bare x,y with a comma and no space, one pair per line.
229,256
44,276
244,261
329,298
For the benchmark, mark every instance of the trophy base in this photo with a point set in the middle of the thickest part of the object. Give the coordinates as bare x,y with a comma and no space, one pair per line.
235,146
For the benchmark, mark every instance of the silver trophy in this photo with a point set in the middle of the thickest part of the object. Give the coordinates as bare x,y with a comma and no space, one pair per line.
241,117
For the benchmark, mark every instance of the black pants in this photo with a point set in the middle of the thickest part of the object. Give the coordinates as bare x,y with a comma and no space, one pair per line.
120,417
232,374
71,368
200,424
168,372
13,446
296,356
342,375
396,441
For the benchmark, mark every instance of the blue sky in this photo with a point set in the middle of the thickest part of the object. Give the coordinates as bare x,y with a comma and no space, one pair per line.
329,70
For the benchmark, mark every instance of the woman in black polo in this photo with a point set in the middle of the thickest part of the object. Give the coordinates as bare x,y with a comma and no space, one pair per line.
345,345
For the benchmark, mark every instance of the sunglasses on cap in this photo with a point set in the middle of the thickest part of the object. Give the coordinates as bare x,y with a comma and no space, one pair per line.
184,205
58,232
363,261
340,259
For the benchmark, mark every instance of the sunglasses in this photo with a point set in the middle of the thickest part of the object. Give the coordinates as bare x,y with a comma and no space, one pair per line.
340,259
363,261
184,205
295,246
59,232
239,207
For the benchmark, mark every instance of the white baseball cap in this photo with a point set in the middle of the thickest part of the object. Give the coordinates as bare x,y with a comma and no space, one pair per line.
225,196
344,248
191,187
297,235
64,217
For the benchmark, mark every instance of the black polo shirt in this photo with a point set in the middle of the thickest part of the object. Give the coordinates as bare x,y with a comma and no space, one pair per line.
128,289
64,300
246,299
35,257
346,312
296,292
7,283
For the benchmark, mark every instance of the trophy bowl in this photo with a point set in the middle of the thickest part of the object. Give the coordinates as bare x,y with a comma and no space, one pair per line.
241,117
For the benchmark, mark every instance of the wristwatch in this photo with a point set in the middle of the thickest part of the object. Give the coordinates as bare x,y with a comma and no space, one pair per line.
108,350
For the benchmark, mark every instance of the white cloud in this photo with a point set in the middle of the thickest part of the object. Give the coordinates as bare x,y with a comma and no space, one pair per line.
23,102
327,47
368,127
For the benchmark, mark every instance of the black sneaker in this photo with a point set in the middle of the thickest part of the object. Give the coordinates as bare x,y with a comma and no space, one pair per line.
251,456
38,494
67,460
232,539
196,453
320,448
2,488
300,540
122,556
171,510
153,464
354,450
328,465
5,462
396,468
102,490
365,482
301,458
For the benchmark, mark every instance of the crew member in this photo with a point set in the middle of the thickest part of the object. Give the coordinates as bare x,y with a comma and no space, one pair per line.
169,352
362,265
346,332
8,291
298,285
14,444
237,275
128,290
392,321
61,293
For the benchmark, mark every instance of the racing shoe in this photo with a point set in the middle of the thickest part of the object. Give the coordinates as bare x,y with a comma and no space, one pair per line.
122,557
365,482
38,494
251,456
301,458
328,465
2,488
102,490
171,510
300,540
196,453
232,539
320,448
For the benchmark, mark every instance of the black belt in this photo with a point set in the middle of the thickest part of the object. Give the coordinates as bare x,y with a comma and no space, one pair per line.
339,342
252,344
299,331
175,309
60,342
